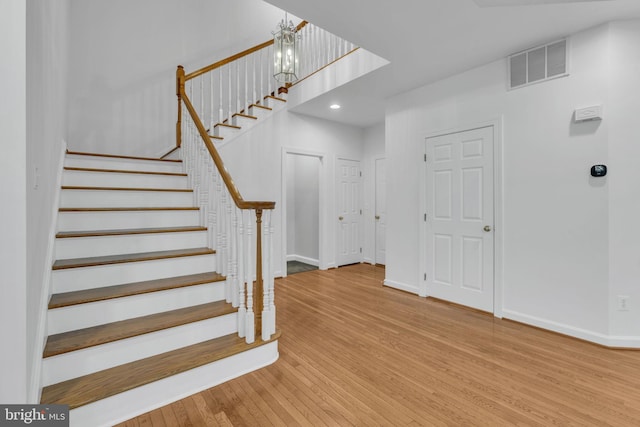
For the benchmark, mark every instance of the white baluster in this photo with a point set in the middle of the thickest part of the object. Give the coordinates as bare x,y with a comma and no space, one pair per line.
242,308
235,300
211,119
221,108
250,330
201,113
270,66
238,104
253,70
230,112
272,283
228,246
246,83
211,218
266,274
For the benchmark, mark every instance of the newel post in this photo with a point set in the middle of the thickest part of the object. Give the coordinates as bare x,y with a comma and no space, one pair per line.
179,92
259,294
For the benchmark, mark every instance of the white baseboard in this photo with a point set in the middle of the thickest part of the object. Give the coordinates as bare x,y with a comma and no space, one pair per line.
583,334
35,382
369,261
303,259
401,286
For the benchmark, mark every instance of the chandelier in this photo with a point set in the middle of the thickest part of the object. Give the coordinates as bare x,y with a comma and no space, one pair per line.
286,52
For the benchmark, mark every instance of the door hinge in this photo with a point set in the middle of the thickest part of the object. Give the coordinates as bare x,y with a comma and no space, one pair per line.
425,157
360,211
360,173
425,217
360,250
425,276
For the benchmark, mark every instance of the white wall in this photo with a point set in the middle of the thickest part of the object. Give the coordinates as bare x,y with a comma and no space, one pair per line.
255,163
373,148
13,222
556,218
123,59
306,206
47,43
624,178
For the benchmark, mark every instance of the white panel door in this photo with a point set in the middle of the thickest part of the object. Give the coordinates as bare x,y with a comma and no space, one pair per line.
460,218
381,212
349,212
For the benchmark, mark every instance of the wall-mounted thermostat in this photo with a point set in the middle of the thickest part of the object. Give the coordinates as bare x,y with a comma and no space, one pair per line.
598,170
588,113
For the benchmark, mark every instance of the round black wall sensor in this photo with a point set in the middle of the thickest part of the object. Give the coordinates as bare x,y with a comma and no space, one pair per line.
598,170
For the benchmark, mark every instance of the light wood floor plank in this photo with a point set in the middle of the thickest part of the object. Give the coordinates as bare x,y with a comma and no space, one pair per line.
353,352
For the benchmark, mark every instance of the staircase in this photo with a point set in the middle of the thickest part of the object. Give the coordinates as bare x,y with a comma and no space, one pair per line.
140,315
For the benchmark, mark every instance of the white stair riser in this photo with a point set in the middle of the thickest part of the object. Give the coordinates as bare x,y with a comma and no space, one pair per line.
244,122
260,113
75,279
119,198
226,132
81,316
128,180
80,247
121,164
115,220
274,103
93,359
140,400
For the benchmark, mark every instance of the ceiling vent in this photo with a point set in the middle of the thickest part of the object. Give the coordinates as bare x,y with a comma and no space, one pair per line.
538,64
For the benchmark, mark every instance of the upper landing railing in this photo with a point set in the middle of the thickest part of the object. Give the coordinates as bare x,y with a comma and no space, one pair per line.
212,97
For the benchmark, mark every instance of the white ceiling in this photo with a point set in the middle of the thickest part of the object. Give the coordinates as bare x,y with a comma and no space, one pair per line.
427,40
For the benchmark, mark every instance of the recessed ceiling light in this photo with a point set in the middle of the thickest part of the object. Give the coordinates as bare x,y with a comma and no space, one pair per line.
334,106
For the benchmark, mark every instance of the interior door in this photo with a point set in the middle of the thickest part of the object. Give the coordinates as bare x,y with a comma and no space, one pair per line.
381,212
460,218
349,212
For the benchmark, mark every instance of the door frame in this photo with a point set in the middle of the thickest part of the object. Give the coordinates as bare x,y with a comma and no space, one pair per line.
498,209
375,204
336,180
322,263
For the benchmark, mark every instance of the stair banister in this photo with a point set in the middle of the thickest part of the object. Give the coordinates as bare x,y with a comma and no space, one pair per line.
240,203
237,97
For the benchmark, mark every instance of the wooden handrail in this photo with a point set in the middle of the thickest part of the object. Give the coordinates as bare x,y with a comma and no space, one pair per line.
235,57
233,190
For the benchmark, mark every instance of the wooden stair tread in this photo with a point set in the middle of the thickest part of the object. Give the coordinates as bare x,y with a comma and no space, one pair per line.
125,209
216,137
70,168
275,98
124,258
126,231
227,126
136,288
117,156
260,106
246,116
96,335
100,385
81,187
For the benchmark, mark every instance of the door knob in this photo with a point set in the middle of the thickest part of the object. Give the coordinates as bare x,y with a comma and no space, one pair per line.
487,228
377,216
340,218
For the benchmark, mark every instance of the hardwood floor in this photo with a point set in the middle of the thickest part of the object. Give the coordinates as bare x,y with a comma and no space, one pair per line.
353,352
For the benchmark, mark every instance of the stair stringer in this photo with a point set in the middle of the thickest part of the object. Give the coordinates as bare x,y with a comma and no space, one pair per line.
124,406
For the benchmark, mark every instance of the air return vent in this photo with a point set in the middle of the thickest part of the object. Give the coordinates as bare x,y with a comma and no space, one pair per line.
538,64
